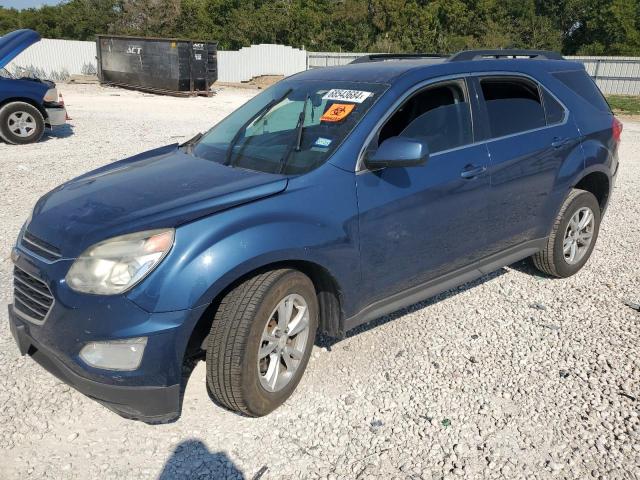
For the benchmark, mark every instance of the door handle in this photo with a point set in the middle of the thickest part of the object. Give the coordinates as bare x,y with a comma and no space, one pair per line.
559,142
471,171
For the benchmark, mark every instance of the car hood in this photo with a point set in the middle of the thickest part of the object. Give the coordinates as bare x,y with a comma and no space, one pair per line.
165,187
14,43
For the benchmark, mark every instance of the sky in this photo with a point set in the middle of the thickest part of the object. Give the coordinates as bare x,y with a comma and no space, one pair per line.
26,3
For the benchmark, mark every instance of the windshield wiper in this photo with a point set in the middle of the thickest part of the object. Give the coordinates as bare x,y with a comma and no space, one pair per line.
300,125
299,129
254,118
188,145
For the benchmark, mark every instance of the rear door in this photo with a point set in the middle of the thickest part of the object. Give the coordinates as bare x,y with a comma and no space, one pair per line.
528,138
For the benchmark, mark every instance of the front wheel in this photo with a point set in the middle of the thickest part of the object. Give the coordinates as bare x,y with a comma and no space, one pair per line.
573,236
261,340
21,123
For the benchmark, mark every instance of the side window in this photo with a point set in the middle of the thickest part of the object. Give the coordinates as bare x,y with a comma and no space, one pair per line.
553,109
439,115
581,83
513,105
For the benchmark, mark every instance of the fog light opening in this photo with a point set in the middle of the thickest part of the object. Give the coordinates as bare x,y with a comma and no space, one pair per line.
122,355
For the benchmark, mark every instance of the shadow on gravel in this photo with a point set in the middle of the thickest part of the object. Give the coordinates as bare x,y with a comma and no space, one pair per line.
526,266
328,342
192,459
63,131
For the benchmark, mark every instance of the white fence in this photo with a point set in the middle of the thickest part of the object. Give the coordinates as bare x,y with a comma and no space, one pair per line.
258,60
332,59
614,75
57,58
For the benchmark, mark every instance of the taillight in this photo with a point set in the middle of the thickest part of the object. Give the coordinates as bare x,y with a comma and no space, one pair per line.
617,130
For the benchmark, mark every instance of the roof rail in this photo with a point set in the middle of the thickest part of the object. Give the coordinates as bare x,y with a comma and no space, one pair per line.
381,57
506,53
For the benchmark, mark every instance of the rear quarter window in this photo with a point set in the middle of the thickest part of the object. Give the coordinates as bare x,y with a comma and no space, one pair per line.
553,109
581,83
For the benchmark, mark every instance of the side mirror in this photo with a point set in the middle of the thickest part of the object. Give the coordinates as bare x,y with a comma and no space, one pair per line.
398,152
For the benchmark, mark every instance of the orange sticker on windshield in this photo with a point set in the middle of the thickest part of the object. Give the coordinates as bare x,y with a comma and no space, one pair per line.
337,112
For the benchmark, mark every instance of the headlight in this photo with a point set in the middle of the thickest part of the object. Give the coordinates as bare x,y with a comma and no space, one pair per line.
51,95
117,264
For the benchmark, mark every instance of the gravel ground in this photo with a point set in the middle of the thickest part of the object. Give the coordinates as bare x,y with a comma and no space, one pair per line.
511,376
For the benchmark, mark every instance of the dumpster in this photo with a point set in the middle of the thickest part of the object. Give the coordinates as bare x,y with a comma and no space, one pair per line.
161,65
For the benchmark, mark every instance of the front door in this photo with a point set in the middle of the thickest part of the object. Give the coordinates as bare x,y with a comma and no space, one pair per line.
417,223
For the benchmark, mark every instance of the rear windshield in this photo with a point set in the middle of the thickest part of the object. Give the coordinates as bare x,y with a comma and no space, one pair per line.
291,128
581,83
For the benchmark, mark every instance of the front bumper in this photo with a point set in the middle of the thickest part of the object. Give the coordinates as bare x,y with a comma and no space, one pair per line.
56,116
149,393
145,403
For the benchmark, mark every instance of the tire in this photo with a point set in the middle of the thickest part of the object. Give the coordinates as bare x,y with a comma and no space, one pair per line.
234,378
33,128
552,260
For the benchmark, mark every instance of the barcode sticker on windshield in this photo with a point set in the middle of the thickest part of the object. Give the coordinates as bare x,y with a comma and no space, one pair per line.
356,96
322,142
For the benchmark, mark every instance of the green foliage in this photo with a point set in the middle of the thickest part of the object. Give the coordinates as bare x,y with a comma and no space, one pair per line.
625,104
600,27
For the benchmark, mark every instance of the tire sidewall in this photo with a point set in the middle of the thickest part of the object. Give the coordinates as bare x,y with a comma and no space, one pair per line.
584,199
258,400
9,136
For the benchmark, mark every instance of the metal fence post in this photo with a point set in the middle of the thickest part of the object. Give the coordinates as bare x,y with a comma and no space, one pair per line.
595,74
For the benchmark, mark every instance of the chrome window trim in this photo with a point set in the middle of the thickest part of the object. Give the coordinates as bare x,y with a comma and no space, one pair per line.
360,167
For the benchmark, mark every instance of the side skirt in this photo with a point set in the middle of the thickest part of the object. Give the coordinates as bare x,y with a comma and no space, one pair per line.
445,282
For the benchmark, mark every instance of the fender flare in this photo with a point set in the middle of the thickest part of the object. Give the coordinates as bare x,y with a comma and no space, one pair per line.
30,101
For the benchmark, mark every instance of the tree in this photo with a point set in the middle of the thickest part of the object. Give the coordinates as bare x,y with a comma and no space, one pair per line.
9,20
572,26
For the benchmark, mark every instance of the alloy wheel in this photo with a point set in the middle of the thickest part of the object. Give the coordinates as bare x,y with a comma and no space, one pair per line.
578,235
22,124
283,343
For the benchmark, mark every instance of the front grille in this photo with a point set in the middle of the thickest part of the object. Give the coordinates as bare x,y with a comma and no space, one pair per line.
40,247
32,298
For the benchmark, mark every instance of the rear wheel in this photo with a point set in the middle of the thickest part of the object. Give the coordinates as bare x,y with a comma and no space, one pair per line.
21,123
573,236
261,340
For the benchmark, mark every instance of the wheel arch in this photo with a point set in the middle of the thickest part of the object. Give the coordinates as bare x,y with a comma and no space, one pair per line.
28,100
328,291
598,183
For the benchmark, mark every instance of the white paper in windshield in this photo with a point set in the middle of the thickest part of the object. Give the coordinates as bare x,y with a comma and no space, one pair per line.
356,96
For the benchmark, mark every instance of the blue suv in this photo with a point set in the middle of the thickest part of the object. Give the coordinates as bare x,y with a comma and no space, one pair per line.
330,199
27,105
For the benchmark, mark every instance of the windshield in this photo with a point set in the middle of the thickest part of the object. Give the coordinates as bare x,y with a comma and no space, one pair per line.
4,73
291,128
